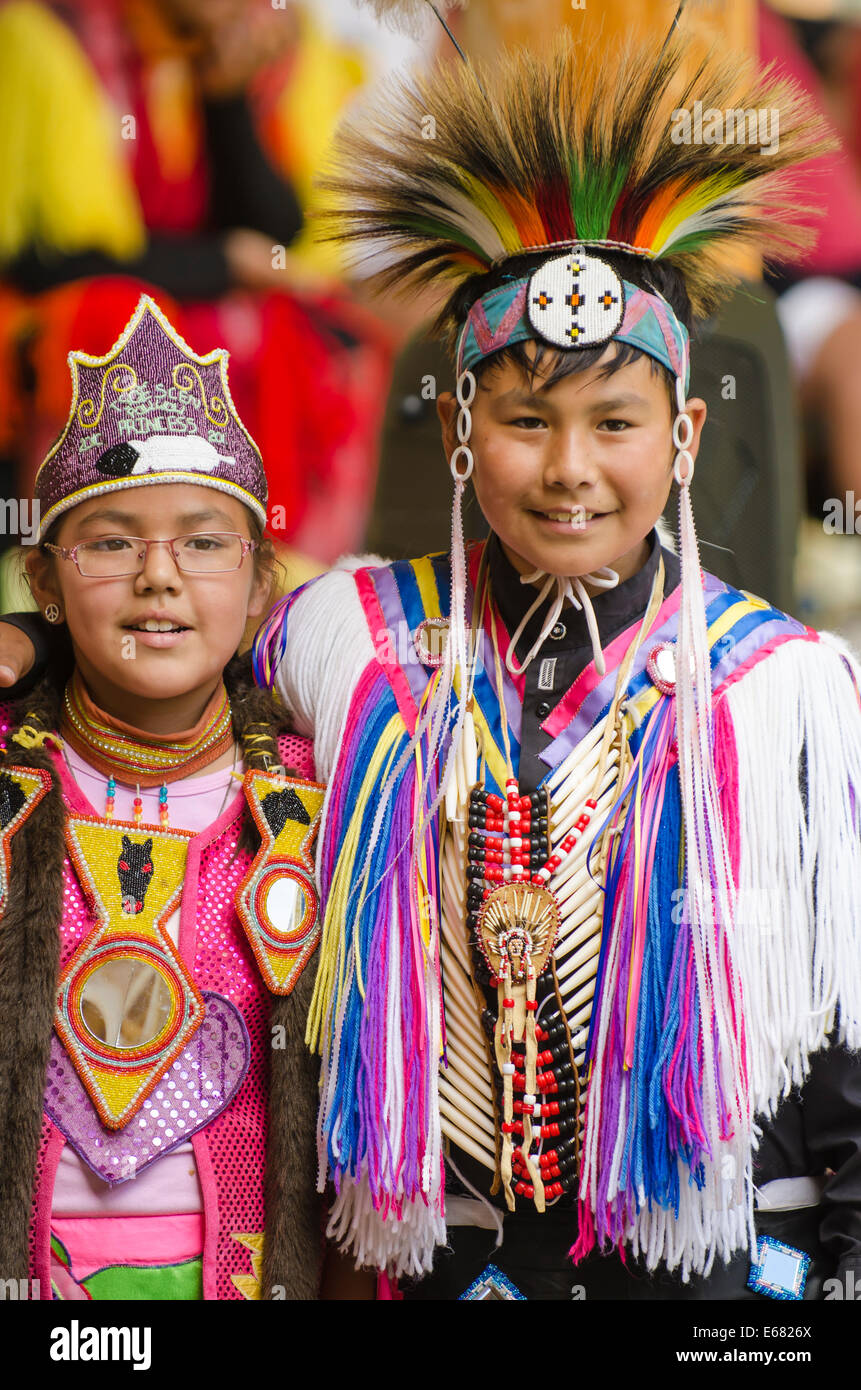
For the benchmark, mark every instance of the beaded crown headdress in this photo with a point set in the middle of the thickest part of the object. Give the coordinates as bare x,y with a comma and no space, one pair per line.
150,411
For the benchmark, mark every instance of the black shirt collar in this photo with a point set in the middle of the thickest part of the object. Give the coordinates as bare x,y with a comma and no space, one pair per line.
615,609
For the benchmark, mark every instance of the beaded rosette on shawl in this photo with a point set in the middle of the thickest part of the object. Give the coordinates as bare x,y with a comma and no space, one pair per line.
399,1076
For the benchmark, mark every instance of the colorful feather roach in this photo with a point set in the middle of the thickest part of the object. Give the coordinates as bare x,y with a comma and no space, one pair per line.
456,170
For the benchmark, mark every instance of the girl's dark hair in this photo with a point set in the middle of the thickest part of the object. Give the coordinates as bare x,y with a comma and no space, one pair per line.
553,364
265,559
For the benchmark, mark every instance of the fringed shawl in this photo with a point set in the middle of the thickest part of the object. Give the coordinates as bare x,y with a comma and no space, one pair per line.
784,700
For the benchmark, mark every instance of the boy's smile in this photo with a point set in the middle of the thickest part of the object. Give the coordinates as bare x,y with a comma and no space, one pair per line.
572,477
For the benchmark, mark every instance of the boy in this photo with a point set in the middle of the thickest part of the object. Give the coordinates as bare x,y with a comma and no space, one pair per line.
562,849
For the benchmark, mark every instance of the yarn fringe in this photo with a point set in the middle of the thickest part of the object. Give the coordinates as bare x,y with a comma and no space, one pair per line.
401,1241
677,1196
376,1010
799,927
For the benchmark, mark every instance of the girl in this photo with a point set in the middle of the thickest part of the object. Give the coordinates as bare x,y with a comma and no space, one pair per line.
157,1103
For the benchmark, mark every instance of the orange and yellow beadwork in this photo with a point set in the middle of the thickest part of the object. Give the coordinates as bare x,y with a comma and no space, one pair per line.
127,1005
277,901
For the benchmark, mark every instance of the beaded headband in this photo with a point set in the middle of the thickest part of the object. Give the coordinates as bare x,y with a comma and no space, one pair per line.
574,301
150,411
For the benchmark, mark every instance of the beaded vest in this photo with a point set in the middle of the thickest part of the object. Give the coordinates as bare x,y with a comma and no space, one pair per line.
230,1150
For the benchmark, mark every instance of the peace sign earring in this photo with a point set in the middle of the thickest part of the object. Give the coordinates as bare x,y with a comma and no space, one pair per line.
52,613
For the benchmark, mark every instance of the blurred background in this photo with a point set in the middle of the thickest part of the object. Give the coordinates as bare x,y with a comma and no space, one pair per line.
171,146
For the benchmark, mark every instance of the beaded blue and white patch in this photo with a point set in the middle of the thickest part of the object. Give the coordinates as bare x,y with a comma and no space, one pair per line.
780,1271
492,1286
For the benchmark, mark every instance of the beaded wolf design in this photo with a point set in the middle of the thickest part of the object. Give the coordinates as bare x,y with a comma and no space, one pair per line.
134,871
281,806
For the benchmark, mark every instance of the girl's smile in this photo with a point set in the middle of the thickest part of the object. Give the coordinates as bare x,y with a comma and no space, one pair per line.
158,630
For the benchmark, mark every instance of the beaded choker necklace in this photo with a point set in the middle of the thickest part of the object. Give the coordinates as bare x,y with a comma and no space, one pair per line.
125,754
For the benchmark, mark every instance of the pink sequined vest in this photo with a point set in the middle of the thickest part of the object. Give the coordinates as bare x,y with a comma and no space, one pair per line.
229,1152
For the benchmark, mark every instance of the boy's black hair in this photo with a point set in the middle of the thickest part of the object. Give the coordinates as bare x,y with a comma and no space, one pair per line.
551,364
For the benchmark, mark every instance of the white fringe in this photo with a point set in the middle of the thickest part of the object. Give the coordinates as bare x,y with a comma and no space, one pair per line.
328,647
404,1247
799,950
704,1231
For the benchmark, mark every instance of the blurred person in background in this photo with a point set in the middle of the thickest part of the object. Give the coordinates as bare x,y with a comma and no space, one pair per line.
820,305
819,45
173,142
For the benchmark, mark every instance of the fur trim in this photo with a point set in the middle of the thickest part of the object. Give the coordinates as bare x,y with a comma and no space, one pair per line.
294,1245
29,970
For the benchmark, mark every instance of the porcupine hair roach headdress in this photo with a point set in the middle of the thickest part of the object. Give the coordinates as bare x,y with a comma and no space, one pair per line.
458,170
458,174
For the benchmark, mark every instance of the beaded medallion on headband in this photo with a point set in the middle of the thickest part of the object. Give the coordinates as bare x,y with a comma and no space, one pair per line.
574,301
149,411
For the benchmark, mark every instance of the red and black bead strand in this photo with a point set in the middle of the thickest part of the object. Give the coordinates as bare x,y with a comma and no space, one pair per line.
556,1107
508,841
558,1078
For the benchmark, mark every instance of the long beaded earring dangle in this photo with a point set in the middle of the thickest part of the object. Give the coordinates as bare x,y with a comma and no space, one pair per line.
461,465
